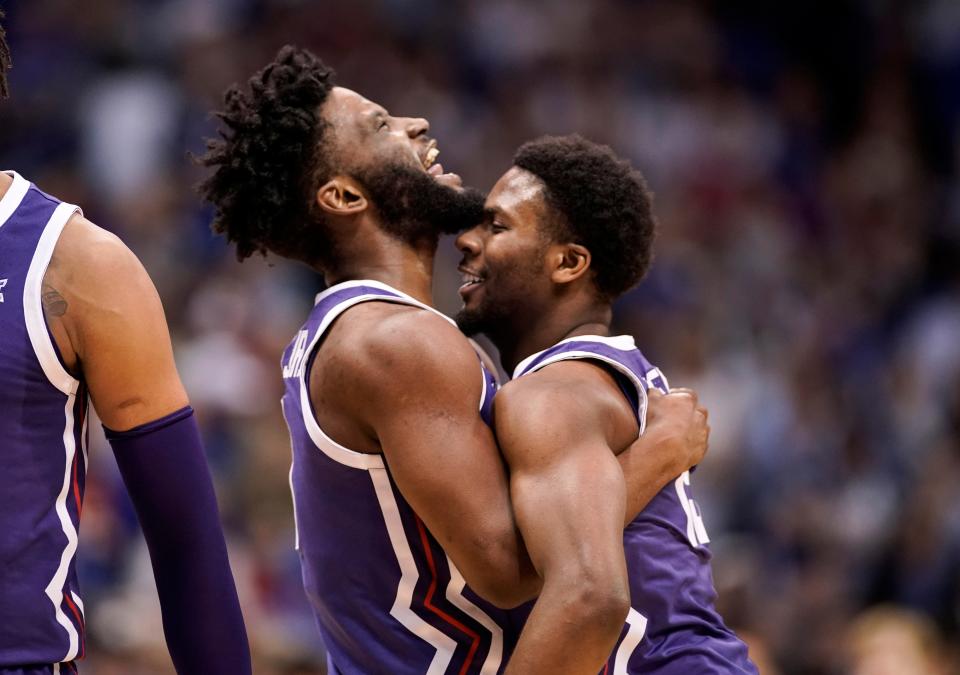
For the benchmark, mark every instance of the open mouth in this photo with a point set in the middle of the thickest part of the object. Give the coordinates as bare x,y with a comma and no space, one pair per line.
429,160
469,280
433,168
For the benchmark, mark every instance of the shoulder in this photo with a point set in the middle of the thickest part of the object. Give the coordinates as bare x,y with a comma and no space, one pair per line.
570,399
101,287
91,259
391,345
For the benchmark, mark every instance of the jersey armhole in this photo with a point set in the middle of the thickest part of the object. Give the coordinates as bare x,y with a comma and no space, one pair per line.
41,339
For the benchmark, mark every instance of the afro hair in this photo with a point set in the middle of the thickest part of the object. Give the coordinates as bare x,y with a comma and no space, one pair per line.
600,201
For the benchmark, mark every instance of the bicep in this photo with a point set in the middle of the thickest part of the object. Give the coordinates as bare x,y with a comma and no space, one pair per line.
124,345
569,505
566,485
424,409
447,465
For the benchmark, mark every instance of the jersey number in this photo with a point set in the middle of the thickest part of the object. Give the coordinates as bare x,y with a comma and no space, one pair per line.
696,532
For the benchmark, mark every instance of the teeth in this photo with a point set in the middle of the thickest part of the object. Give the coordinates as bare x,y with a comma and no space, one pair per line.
469,280
431,157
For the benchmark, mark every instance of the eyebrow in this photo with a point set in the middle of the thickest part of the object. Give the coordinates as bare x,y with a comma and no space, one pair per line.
376,115
489,213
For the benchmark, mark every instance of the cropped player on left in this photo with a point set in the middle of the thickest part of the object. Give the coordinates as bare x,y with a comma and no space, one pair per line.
79,316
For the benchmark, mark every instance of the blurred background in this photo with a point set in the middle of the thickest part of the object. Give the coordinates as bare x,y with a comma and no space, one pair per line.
804,158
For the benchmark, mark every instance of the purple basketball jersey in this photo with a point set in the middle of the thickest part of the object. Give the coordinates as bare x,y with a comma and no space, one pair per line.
672,627
386,597
42,444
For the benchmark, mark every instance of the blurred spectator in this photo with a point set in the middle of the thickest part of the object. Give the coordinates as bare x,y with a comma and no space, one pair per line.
890,641
807,274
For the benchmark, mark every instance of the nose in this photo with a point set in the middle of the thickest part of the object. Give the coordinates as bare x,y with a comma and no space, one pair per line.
469,243
416,126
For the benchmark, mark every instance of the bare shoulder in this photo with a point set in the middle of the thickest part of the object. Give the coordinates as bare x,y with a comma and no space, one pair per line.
402,341
568,400
90,255
95,285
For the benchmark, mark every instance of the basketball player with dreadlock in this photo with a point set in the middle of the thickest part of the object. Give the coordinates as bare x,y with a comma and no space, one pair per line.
406,536
79,318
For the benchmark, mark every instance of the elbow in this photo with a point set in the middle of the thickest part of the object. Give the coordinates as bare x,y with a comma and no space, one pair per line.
511,598
508,591
600,599
504,581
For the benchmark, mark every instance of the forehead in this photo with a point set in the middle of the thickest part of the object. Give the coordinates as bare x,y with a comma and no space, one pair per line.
519,195
345,108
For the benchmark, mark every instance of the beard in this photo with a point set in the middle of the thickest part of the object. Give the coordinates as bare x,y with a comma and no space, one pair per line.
508,302
413,206
489,317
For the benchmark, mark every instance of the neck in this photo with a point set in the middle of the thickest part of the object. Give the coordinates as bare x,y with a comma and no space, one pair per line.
384,258
550,329
6,180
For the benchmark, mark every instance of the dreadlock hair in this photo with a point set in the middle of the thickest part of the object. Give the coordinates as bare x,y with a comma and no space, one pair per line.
597,200
269,158
5,61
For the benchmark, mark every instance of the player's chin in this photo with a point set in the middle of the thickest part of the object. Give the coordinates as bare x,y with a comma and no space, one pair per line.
469,321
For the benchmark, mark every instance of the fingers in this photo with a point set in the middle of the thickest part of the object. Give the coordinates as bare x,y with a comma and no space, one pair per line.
682,391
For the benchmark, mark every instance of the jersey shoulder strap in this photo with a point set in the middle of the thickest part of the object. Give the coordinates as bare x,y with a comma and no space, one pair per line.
619,353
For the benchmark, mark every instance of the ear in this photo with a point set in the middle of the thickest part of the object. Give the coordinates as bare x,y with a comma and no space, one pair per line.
570,262
341,196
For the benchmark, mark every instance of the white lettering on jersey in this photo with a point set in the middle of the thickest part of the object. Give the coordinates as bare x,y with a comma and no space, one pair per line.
696,531
657,379
294,367
3,282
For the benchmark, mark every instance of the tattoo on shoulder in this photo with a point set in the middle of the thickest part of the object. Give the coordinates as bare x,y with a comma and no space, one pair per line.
53,302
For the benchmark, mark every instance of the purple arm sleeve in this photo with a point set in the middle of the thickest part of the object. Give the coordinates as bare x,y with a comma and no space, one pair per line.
166,474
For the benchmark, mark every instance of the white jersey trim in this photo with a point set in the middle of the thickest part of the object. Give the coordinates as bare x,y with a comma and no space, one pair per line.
578,355
404,297
329,447
33,305
401,610
54,589
636,622
624,343
445,645
455,595
334,450
637,627
13,196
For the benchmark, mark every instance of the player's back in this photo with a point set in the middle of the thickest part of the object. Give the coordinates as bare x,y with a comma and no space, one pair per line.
386,597
672,626
42,445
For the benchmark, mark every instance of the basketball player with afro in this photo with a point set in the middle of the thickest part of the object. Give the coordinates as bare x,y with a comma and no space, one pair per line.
566,231
80,317
409,549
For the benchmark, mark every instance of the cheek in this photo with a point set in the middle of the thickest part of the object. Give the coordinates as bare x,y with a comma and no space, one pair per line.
514,266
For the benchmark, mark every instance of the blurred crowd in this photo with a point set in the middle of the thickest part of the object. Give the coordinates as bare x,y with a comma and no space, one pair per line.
805,160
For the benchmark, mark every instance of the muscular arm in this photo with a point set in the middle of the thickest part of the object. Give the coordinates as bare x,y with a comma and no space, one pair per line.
415,383
557,429
108,322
